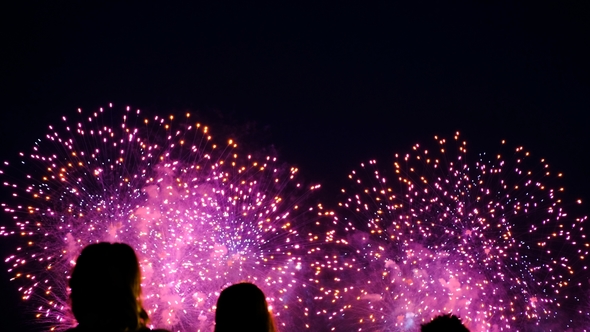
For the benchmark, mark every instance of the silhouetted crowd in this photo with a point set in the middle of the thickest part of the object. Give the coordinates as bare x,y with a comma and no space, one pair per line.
106,297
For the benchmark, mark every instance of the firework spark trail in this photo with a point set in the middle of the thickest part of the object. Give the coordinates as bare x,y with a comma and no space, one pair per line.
489,240
199,215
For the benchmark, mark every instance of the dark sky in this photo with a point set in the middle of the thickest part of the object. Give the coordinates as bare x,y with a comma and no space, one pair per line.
329,85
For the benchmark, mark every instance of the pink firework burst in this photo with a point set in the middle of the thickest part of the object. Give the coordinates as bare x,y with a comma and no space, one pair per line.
200,216
489,239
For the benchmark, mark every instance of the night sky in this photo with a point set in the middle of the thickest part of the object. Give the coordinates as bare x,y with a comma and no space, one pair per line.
327,86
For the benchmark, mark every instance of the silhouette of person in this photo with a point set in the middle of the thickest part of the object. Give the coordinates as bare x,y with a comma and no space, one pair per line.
105,290
243,307
446,323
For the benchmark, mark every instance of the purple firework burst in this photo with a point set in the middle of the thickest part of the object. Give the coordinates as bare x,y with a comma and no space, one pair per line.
200,216
488,239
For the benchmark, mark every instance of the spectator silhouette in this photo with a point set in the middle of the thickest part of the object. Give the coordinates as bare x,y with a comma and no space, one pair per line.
243,307
105,290
446,323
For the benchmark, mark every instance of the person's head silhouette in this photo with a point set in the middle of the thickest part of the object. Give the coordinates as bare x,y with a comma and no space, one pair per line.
447,323
105,289
243,307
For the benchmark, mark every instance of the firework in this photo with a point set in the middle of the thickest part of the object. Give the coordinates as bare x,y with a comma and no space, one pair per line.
199,215
488,239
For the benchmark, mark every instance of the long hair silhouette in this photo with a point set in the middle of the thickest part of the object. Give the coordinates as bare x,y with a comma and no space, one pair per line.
105,289
243,307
